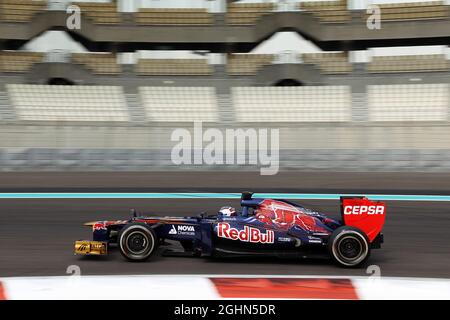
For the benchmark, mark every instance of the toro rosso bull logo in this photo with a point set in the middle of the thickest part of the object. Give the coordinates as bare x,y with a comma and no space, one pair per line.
99,226
248,234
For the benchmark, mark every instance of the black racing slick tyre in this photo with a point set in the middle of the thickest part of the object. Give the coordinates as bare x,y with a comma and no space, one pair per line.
349,247
137,242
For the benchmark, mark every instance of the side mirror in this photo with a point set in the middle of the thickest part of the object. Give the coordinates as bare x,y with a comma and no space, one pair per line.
134,213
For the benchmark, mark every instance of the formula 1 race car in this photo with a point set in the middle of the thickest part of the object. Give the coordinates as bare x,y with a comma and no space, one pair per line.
269,227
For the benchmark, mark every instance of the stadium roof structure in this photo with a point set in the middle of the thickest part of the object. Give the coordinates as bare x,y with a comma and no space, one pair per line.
218,35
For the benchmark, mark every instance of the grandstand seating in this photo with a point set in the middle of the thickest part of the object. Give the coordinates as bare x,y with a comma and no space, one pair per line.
337,12
173,16
413,11
98,63
411,102
100,12
329,63
237,64
408,63
19,61
20,10
408,102
292,104
247,64
179,104
328,11
247,13
173,67
68,103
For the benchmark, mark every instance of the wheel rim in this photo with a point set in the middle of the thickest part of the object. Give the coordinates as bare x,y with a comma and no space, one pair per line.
137,242
350,248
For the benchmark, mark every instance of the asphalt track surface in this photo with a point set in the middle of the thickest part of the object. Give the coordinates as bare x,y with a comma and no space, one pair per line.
36,235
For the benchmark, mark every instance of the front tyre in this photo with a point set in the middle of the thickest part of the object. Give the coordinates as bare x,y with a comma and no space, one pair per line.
137,242
349,247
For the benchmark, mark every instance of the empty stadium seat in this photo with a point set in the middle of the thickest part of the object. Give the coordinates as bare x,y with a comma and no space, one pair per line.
20,10
292,104
328,11
19,61
408,102
247,64
98,63
408,63
173,16
68,103
179,104
100,12
247,13
413,11
173,67
329,63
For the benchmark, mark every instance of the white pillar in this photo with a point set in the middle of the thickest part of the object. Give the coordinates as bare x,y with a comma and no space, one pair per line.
447,52
359,56
358,4
128,5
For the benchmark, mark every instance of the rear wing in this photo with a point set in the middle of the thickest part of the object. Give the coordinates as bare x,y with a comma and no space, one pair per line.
364,214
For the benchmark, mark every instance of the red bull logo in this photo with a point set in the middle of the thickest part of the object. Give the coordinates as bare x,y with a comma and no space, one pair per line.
248,234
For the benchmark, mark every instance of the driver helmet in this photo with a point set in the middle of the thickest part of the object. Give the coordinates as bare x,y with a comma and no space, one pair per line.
227,211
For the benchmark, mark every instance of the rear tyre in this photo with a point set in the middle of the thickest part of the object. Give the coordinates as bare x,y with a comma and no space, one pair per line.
349,247
137,242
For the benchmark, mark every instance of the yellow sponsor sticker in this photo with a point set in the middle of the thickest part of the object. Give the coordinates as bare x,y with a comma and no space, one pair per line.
91,247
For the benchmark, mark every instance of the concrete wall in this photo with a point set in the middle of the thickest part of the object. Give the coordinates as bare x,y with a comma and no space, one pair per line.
303,147
367,160
292,136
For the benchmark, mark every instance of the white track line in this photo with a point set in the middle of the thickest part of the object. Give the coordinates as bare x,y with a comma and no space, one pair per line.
200,287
